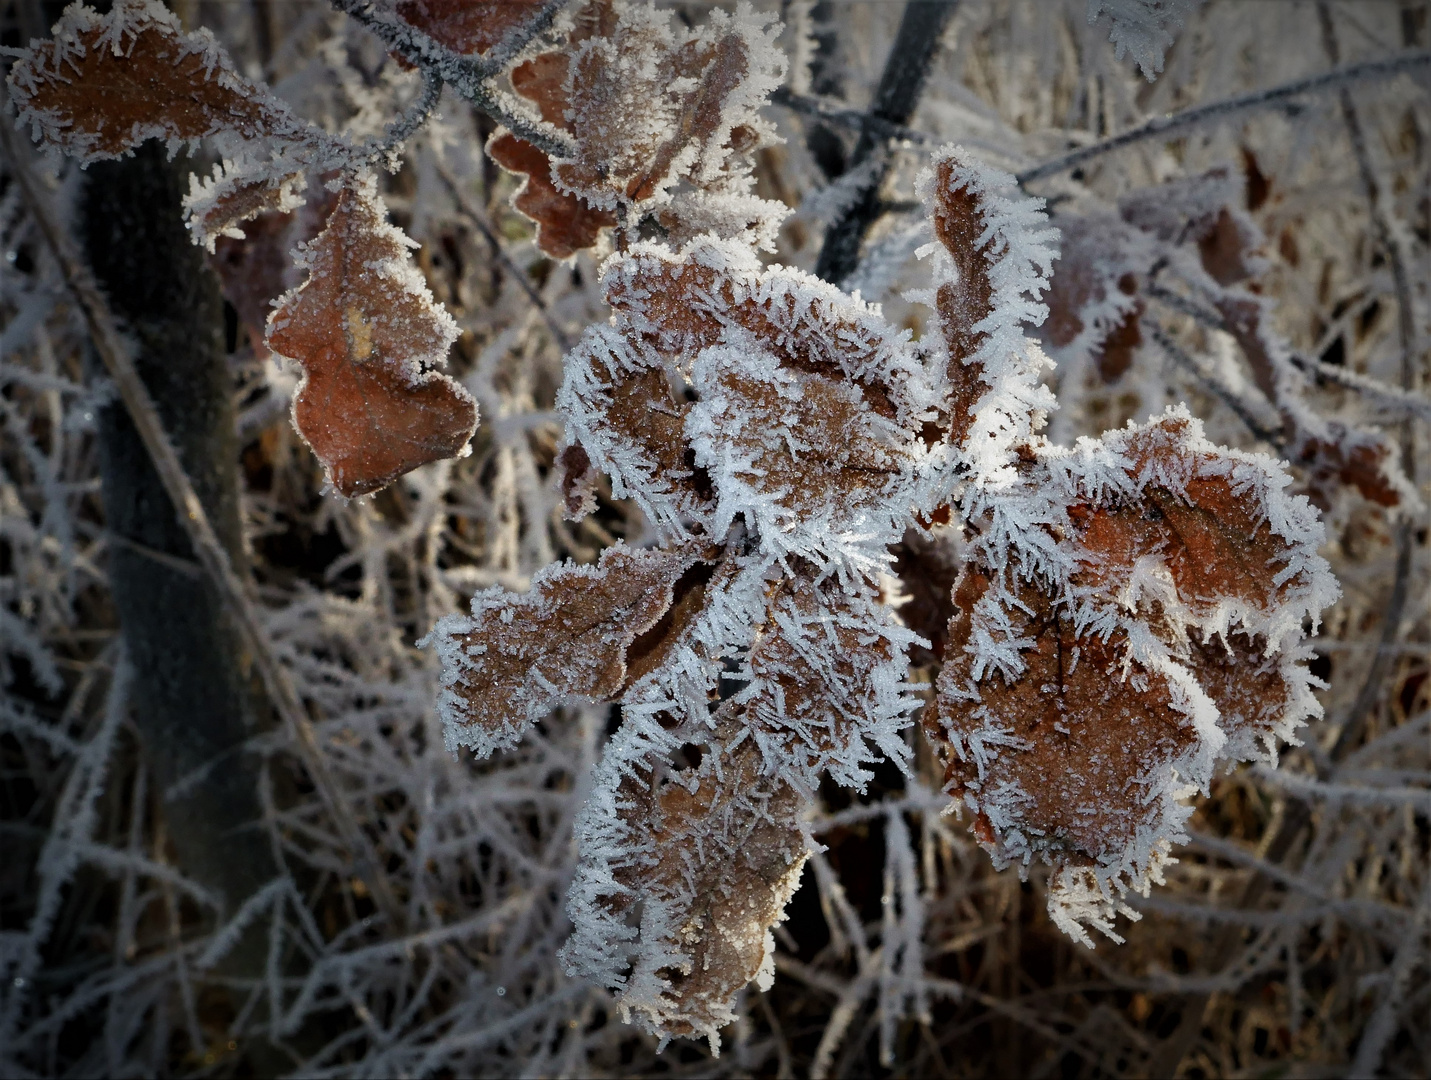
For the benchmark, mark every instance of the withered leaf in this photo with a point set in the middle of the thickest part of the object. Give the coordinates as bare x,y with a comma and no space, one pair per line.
964,301
1211,540
105,83
517,657
468,26
827,691
622,412
1072,761
802,456
218,208
713,856
366,330
683,112
565,223
1085,694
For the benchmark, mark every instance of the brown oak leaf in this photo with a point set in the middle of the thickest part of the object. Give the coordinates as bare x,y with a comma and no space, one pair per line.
713,855
1084,695
826,691
468,26
684,112
571,635
628,422
367,332
106,83
1070,760
565,223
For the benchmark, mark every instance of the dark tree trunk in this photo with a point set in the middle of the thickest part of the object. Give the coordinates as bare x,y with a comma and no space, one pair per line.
900,84
194,700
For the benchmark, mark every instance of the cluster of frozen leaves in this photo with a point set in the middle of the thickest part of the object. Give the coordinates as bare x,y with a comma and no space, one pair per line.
780,436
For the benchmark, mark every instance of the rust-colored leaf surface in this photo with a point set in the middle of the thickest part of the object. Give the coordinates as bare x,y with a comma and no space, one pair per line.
468,26
1212,538
825,693
1066,754
797,452
631,425
718,854
964,301
681,303
105,83
636,128
517,657
565,223
367,332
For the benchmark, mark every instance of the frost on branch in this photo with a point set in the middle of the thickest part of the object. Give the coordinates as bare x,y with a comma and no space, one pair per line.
1191,239
367,332
515,658
660,119
106,83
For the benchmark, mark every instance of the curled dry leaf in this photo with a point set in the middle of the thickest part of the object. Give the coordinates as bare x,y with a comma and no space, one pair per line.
515,658
710,856
218,208
993,253
106,83
366,331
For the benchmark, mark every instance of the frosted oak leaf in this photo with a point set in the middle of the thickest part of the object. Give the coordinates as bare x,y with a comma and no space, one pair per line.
368,333
581,632
468,26
106,83
649,110
1090,686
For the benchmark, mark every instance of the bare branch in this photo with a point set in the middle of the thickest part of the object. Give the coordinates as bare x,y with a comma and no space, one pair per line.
1257,99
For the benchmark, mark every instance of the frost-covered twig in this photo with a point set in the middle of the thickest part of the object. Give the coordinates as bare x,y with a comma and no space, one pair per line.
474,214
469,76
905,70
1160,126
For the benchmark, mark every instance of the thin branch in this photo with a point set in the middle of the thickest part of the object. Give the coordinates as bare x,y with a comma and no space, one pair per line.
1387,397
1405,535
823,108
400,130
900,84
1217,110
468,75
1212,384
114,353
